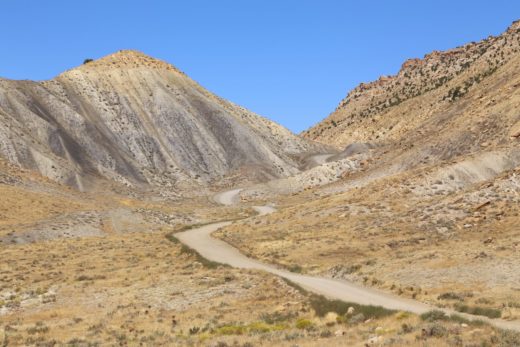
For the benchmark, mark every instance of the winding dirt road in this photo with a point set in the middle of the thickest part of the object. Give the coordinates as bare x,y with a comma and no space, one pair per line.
217,250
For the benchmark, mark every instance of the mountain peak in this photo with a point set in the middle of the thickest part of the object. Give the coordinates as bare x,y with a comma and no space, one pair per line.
128,59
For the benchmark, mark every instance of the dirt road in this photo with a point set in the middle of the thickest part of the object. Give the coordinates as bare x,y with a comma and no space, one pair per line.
217,250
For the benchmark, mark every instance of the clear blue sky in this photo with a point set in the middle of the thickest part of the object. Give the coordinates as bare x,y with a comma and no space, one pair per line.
289,60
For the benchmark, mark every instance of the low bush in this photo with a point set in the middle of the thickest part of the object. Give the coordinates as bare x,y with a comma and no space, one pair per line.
304,324
479,311
231,330
322,306
277,317
450,296
296,268
434,315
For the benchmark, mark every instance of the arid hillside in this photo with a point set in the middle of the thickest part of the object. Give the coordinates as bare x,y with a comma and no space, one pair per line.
136,120
456,90
424,199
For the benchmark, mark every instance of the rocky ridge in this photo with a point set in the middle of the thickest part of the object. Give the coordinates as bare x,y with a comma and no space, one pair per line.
379,111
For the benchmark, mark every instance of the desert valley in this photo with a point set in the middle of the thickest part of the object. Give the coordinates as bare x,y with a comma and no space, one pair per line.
139,209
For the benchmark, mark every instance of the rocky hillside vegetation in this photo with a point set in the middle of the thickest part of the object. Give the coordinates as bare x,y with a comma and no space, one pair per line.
430,91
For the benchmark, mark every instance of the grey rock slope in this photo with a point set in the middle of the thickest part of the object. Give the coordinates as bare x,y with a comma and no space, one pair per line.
137,120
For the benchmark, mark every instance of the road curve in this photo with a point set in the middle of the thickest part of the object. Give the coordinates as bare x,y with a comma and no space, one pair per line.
217,250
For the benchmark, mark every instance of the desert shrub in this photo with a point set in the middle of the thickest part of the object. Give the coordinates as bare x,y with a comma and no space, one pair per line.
231,330
262,327
437,315
326,334
406,328
259,327
479,311
508,338
322,306
292,336
304,324
194,330
90,278
356,319
296,268
88,60
435,330
434,315
450,296
509,304
38,328
277,317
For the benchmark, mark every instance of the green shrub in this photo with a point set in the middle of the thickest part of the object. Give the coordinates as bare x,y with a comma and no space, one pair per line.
231,330
261,327
304,324
321,305
277,317
479,311
459,319
434,315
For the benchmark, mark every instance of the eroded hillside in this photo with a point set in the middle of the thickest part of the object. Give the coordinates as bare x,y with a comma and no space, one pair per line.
427,207
136,120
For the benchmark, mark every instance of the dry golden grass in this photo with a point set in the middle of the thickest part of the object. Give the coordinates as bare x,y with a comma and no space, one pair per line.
386,235
140,290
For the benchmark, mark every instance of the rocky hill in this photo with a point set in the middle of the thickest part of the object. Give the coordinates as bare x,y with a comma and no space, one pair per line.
136,120
460,86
